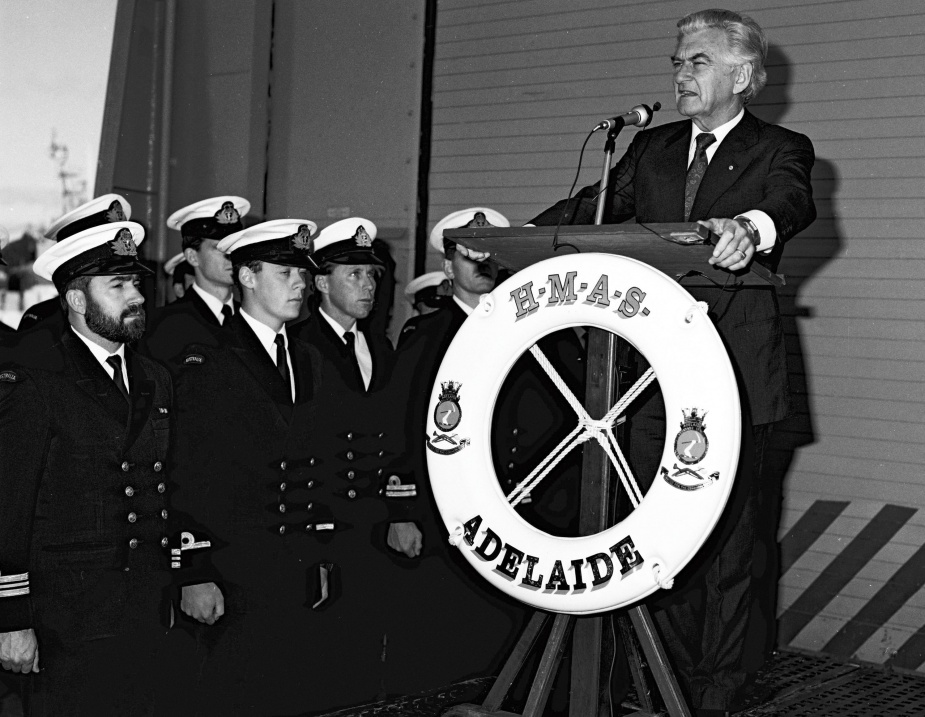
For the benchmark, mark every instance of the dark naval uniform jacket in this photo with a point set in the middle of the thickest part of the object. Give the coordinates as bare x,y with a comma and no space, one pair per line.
289,494
84,521
173,327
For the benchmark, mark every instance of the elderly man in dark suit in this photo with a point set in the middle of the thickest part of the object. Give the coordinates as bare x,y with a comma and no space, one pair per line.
749,182
84,529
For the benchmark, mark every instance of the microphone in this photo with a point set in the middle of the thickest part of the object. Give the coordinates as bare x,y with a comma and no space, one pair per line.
639,116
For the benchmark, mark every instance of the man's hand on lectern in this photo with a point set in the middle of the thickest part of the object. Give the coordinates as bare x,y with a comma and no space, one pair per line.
735,248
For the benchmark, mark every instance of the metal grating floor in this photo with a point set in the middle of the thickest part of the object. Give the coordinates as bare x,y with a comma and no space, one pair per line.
796,685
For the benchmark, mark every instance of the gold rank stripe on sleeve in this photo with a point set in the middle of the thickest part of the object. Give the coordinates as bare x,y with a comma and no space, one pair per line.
14,585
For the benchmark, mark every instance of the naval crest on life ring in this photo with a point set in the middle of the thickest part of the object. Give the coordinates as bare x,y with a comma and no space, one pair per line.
691,444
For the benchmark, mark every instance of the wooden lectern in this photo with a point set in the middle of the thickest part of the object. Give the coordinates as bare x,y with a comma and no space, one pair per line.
675,250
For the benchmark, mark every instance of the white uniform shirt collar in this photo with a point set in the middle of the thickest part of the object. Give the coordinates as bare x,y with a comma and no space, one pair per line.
267,338
215,306
360,347
463,305
101,354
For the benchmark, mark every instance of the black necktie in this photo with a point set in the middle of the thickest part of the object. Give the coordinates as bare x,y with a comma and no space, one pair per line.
227,313
116,362
696,171
350,338
282,364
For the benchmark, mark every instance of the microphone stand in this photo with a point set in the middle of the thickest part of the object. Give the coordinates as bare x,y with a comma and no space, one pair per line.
605,174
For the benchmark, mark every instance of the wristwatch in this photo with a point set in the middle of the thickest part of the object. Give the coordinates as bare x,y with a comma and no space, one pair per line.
752,230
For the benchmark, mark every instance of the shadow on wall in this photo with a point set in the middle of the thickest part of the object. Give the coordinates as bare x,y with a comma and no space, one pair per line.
806,255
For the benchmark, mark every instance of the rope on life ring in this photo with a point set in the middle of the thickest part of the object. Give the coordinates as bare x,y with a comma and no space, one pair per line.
600,572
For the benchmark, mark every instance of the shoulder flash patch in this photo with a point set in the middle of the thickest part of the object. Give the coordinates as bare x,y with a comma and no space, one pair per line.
8,376
194,359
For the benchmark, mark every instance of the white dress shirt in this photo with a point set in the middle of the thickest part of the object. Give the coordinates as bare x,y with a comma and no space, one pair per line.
215,306
364,357
764,223
267,338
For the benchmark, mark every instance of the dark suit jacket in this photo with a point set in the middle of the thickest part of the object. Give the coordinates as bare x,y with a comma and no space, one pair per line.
757,166
83,484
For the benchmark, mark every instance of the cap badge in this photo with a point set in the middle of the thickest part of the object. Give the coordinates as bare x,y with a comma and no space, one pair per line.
478,220
123,245
302,240
115,213
362,237
227,214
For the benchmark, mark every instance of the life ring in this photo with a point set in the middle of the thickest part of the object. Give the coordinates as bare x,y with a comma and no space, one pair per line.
635,557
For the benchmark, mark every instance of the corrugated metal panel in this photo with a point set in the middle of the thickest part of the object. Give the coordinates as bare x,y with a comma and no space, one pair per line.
517,86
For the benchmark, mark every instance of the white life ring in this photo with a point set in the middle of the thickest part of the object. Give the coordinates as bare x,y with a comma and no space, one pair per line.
633,558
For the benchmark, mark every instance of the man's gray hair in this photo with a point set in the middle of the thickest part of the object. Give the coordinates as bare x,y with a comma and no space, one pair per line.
745,38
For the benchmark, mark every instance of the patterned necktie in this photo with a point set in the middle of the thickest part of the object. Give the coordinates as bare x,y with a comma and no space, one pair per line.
227,313
696,171
350,338
116,362
282,364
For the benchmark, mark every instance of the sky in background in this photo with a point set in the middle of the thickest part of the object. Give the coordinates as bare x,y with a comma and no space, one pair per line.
54,64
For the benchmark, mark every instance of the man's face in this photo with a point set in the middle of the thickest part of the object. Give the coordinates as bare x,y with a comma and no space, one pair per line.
114,308
474,277
278,291
707,89
211,264
348,292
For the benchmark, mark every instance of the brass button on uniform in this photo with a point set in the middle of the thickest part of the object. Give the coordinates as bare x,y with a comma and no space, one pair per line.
311,461
510,466
382,435
309,506
133,543
351,494
165,542
379,472
514,449
161,487
132,517
350,436
351,475
282,487
164,514
282,466
126,466
158,467
514,432
349,455
282,530
129,491
282,507
310,484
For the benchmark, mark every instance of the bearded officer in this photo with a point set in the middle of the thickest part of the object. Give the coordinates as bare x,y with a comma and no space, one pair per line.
208,304
83,473
106,209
